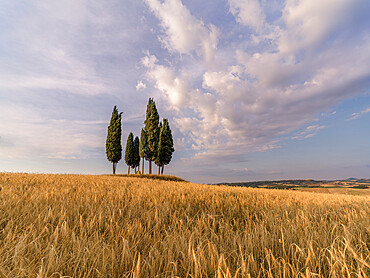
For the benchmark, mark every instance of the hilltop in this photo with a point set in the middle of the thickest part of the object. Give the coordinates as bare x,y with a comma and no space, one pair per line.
151,177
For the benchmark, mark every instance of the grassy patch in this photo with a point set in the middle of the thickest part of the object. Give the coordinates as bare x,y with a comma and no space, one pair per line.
360,186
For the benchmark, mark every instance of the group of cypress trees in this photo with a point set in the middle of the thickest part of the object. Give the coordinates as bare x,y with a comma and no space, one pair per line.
132,157
155,143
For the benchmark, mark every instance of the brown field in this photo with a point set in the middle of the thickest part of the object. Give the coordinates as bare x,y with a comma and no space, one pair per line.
106,226
338,190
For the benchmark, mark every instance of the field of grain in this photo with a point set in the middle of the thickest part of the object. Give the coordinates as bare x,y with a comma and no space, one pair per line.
106,226
338,190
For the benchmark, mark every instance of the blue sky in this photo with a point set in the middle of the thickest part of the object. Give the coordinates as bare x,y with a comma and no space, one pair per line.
253,90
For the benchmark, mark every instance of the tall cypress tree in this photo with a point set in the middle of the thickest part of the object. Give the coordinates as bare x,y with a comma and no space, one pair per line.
113,145
136,156
158,160
165,146
142,147
152,132
129,154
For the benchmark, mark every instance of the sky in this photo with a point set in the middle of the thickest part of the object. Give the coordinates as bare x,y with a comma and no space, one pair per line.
253,90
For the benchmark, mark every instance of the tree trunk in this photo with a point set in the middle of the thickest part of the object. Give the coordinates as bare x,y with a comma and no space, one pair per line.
114,168
150,167
135,170
128,172
162,169
159,170
143,167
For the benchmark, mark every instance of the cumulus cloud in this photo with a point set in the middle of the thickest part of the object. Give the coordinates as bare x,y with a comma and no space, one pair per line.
235,78
140,85
306,65
183,32
173,87
248,13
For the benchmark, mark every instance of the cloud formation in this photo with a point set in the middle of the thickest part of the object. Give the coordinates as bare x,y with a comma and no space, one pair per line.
248,13
357,115
140,85
271,82
61,73
45,54
183,32
309,132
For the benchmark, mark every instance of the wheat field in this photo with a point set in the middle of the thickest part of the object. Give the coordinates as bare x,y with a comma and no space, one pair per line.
106,226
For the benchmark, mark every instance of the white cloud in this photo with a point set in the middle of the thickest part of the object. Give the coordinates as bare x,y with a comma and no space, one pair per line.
328,114
235,85
74,46
174,88
184,33
258,96
61,66
309,23
357,115
43,54
248,12
309,132
149,60
140,85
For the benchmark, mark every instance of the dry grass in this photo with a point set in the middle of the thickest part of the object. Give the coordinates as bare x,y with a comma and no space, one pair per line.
103,226
338,190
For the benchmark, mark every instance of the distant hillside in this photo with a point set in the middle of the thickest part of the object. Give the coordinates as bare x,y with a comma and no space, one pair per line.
307,183
357,180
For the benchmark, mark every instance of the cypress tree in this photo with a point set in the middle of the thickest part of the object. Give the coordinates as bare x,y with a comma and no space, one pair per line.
129,154
136,156
142,147
113,147
158,160
152,132
165,145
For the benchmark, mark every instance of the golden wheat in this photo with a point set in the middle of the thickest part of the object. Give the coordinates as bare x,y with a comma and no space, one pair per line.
106,226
